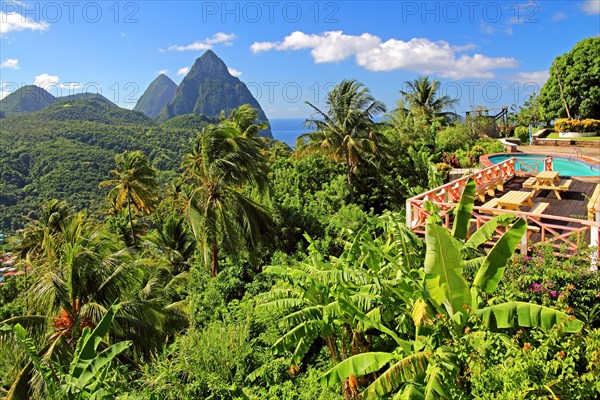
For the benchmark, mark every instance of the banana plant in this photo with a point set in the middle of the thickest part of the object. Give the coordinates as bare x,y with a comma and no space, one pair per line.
421,371
340,299
88,370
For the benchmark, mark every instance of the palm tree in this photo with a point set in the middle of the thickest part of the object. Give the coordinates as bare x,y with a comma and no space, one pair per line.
79,273
133,184
244,119
225,166
421,99
345,132
31,238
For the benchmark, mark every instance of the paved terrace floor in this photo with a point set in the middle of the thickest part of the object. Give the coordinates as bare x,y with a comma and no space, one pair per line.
573,204
591,152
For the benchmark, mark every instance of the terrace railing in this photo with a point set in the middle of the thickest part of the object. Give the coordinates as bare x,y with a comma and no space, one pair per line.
561,232
444,196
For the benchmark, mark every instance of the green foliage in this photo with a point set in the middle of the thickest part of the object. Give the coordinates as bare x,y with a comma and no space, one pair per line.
522,132
26,99
88,368
41,160
578,72
453,138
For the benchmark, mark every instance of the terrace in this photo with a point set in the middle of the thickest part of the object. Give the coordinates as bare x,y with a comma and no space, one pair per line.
562,223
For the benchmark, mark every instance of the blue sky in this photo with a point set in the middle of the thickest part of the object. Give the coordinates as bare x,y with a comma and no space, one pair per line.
492,53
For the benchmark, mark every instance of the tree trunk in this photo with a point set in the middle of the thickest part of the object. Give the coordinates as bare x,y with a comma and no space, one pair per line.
130,220
215,259
562,93
349,179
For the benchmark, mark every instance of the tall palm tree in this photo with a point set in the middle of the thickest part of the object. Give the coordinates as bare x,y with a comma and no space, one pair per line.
244,119
225,166
345,132
133,184
421,99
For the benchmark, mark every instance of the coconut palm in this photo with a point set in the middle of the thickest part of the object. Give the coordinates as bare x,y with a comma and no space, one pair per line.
345,132
31,238
79,273
133,184
225,167
244,119
421,99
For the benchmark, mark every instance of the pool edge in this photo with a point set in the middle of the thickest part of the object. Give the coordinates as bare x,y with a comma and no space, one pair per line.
484,162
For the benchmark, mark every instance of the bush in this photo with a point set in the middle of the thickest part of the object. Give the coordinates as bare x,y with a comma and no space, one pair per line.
576,125
522,132
564,283
454,138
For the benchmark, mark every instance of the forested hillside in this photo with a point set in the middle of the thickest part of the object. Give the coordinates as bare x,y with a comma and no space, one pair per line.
66,149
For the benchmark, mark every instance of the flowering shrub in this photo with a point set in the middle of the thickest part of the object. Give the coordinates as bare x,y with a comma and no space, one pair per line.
576,125
561,282
451,159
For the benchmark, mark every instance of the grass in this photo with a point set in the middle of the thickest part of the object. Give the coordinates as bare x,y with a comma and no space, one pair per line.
556,136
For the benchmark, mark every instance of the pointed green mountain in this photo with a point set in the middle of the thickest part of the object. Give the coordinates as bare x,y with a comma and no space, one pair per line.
160,93
27,99
208,89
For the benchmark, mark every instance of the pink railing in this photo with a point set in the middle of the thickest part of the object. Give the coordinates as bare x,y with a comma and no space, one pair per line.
556,230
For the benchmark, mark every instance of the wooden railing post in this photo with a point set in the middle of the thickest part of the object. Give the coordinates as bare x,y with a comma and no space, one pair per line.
409,214
525,242
595,241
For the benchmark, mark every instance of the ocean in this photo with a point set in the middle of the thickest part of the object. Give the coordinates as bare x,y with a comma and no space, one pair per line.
288,129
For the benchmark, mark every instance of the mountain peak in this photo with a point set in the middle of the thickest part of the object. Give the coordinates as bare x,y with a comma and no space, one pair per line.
210,64
26,99
158,94
208,89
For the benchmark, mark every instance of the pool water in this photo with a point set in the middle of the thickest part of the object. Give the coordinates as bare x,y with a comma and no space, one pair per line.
564,165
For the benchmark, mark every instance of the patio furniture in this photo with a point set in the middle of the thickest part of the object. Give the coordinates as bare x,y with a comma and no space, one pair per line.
488,182
514,199
539,208
594,204
493,203
548,180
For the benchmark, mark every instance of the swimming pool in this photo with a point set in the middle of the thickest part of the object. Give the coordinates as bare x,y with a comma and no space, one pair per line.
565,166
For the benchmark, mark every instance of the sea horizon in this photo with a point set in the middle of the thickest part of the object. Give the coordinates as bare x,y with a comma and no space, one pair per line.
287,130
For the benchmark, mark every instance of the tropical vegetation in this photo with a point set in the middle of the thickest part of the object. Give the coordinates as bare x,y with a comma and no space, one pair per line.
193,259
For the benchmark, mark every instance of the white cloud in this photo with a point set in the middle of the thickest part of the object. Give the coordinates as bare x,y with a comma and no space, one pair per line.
183,71
163,71
11,63
487,29
218,38
234,72
47,81
12,22
5,90
558,16
536,77
330,46
591,7
418,54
